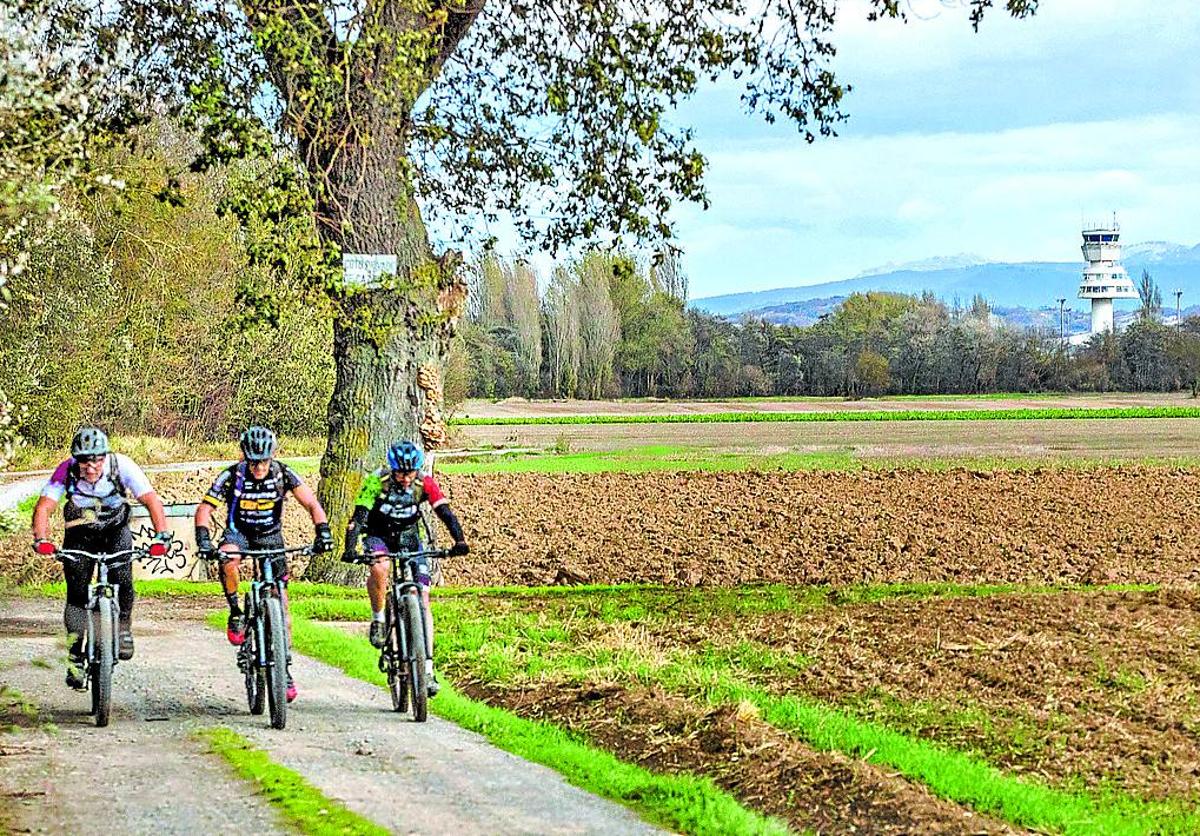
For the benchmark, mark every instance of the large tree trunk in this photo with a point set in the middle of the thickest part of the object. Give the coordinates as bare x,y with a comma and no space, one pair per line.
390,343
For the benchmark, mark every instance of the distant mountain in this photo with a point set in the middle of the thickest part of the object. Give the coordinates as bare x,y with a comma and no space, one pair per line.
1032,285
944,262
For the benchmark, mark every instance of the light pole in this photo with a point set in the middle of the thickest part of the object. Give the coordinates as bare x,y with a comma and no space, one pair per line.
1178,321
1061,330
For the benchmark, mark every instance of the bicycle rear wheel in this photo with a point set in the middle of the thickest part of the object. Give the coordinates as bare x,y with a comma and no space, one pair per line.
418,684
393,651
104,622
275,633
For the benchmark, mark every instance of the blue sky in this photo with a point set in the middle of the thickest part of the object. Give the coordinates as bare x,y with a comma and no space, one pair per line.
992,143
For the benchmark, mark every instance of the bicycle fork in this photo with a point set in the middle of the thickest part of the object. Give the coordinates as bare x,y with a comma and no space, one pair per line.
401,593
95,592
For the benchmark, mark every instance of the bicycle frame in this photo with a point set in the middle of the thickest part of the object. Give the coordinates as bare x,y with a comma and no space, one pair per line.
264,577
101,588
403,575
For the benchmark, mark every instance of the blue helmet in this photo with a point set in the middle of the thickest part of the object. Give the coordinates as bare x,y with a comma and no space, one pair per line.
404,455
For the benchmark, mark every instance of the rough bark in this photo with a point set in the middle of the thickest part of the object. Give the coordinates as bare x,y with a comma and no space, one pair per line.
390,343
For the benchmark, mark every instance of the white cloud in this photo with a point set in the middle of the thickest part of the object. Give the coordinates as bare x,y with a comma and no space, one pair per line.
787,213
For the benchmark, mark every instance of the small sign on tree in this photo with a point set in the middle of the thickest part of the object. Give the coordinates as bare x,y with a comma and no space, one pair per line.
363,270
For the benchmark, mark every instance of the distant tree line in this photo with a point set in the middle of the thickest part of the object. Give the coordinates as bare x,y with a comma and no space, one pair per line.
139,307
607,326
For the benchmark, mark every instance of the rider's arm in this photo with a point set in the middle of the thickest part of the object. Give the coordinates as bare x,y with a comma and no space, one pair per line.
134,479
154,505
305,496
41,517
441,506
52,492
355,529
208,503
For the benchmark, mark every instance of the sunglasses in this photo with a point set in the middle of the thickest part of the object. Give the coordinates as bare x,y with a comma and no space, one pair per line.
89,459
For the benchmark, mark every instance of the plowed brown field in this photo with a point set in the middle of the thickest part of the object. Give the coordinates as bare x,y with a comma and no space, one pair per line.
1108,525
1052,526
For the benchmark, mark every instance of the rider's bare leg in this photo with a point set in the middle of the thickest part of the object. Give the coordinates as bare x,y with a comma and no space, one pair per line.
377,583
229,570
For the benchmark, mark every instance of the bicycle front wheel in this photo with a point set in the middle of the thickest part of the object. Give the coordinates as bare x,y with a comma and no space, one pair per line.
275,631
104,622
417,681
394,657
256,680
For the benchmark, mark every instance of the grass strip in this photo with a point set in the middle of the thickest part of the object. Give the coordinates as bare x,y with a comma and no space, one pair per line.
1014,414
686,803
657,458
300,802
960,777
500,647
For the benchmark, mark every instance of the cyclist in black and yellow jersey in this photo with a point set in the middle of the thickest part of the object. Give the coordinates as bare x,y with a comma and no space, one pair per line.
253,491
387,516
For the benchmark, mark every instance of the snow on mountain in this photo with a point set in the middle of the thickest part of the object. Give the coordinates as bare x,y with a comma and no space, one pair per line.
925,265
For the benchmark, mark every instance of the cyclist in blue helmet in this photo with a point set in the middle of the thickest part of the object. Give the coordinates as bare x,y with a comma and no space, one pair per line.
387,519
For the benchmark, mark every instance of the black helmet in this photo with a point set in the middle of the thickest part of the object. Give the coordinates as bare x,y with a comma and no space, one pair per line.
258,444
404,456
89,441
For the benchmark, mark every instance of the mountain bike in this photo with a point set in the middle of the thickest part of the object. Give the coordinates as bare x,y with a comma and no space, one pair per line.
405,651
100,627
263,656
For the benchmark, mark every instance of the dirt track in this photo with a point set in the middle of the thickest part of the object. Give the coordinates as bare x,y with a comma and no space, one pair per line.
145,774
524,408
1125,438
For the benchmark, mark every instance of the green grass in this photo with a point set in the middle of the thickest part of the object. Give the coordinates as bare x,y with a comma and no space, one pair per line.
506,635
960,777
684,803
510,644
1021,413
650,458
667,458
302,804
17,518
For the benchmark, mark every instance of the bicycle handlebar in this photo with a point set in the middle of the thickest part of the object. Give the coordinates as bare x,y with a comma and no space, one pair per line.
368,558
218,554
110,557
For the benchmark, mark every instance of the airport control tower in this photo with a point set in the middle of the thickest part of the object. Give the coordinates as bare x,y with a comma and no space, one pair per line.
1104,279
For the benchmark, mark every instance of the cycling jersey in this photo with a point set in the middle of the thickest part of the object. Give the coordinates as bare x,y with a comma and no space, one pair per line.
392,509
101,504
255,506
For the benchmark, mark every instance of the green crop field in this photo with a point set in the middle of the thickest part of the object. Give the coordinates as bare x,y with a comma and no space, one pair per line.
1013,414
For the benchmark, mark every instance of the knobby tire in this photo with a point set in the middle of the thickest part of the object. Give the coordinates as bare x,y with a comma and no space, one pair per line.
256,679
105,636
275,630
416,657
393,650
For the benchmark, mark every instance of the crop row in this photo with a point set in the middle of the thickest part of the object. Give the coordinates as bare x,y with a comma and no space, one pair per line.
1023,413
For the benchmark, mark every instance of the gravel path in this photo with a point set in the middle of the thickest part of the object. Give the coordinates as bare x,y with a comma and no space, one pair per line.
145,774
